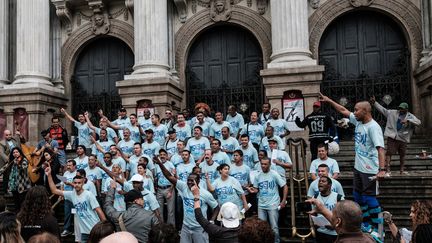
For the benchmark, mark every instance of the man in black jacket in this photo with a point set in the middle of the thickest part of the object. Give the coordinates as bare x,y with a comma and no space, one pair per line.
319,126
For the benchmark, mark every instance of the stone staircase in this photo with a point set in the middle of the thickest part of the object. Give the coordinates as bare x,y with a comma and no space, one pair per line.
396,193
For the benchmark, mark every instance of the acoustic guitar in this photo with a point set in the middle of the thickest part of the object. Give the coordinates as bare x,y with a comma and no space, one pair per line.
33,162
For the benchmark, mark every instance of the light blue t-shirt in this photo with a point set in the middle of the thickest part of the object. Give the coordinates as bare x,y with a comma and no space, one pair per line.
188,204
265,144
69,178
81,163
207,119
367,137
176,159
135,133
229,144
197,147
105,146
241,173
183,132
111,134
205,128
162,180
250,155
221,158
133,163
105,178
330,203
229,190
119,203
159,133
279,125
268,185
121,162
144,123
255,132
211,170
94,174
85,205
335,187
236,122
284,158
216,129
83,133
183,171
126,146
150,149
122,122
331,163
150,201
90,186
171,147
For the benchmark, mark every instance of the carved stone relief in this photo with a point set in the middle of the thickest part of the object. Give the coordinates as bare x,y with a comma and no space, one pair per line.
262,6
64,14
360,3
220,10
314,3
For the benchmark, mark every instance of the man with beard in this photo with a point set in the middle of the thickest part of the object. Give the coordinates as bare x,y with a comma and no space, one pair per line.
216,128
280,125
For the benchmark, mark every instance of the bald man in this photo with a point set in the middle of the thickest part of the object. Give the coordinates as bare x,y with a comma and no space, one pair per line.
369,161
7,144
122,236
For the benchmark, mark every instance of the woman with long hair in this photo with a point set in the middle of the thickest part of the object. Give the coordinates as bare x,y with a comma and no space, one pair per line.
10,228
421,216
227,188
19,181
50,157
36,215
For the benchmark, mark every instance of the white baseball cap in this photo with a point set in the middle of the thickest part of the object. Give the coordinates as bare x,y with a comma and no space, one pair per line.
229,214
137,178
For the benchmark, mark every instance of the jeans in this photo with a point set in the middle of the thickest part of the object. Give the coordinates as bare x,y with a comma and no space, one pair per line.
272,216
197,235
68,217
161,196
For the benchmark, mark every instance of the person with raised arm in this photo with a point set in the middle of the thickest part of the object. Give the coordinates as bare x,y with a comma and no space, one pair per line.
191,230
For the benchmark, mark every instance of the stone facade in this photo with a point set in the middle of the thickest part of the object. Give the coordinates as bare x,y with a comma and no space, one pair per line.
45,38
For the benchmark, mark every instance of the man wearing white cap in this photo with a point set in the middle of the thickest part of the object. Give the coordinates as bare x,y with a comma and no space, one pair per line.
230,216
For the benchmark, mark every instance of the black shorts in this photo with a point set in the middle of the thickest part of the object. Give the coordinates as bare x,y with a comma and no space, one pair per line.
364,185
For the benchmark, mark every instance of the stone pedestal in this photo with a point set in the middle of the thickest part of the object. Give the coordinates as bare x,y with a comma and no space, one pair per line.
423,76
39,104
162,89
306,79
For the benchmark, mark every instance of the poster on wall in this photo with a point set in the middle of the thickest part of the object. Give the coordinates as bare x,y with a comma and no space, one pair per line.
293,107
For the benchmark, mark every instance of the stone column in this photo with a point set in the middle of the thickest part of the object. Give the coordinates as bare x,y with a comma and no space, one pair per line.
33,66
151,37
290,35
4,43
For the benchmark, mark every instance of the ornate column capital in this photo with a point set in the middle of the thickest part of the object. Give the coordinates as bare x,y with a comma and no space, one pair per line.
64,14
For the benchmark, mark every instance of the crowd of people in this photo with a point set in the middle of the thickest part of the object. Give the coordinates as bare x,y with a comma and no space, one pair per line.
193,179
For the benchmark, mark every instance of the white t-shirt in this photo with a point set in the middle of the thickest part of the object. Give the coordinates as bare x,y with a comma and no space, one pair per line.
197,147
85,205
331,163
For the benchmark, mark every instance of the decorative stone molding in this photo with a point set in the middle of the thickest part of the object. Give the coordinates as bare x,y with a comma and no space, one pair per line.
100,18
80,37
181,6
64,14
240,15
130,6
360,3
403,11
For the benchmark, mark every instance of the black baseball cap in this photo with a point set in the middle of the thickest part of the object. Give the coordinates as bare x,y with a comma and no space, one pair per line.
132,195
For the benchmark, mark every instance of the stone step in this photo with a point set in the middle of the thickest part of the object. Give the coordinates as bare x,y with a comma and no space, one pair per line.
410,151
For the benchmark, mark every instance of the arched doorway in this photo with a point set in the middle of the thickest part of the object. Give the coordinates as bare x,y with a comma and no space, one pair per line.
223,69
99,65
365,53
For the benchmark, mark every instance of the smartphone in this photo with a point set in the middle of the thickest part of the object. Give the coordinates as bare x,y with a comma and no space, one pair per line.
303,207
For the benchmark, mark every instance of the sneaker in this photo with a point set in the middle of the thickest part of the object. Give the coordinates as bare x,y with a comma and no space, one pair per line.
387,174
65,233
